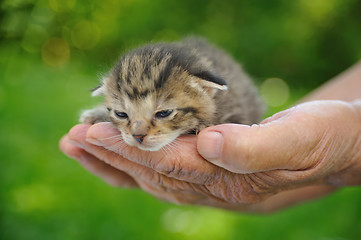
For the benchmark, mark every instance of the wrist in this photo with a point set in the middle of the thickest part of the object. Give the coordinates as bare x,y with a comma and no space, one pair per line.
357,106
350,173
357,147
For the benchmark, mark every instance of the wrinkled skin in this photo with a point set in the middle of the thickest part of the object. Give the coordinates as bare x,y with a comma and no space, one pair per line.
298,154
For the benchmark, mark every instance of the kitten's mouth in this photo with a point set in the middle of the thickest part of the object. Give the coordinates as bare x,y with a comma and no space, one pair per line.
149,147
145,146
150,142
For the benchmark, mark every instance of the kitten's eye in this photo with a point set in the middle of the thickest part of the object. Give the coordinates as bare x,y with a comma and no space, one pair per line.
163,114
121,114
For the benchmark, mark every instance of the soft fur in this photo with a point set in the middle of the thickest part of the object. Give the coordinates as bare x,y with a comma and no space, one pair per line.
164,90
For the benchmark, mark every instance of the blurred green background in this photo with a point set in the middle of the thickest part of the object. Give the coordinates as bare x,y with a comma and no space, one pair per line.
53,51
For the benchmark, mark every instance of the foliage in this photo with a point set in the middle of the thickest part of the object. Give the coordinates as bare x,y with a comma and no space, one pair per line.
52,52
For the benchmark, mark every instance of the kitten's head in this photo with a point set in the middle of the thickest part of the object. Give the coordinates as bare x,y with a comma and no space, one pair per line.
157,93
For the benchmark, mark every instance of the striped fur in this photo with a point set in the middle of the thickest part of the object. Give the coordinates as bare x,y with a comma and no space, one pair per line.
191,82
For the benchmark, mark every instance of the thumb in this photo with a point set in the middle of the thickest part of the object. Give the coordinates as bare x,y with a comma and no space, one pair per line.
278,143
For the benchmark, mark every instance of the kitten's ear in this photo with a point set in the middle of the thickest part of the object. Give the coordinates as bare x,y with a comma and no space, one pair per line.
100,90
210,82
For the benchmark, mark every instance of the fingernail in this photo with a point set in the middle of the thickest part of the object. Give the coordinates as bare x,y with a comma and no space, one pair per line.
210,145
95,142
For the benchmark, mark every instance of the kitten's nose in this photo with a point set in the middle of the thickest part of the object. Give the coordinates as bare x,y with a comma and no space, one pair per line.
139,137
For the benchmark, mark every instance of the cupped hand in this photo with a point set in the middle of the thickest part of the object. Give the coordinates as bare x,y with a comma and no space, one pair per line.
298,154
318,141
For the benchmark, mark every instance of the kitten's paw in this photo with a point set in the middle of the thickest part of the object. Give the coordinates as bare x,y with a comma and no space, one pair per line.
92,116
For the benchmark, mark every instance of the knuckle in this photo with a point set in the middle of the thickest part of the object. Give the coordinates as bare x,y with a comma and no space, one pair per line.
243,189
123,182
256,187
170,168
116,183
165,194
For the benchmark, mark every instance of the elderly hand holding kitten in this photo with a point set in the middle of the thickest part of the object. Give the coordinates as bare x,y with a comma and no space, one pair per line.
298,154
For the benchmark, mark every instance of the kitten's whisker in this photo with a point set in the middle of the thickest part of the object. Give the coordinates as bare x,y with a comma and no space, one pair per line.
174,147
182,140
119,136
168,149
121,147
164,150
117,146
117,141
179,145
178,142
175,152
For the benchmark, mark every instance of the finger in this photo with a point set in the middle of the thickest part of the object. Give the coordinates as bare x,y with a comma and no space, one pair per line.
151,181
272,145
158,185
190,196
107,173
292,197
180,160
177,196
137,171
70,150
236,188
214,182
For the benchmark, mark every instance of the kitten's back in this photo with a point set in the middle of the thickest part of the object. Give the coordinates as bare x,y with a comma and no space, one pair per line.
241,103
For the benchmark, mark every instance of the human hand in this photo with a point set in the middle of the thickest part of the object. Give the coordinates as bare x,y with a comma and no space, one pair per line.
315,144
318,141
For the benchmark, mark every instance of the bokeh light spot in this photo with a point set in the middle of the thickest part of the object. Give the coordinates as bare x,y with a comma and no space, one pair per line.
62,5
33,38
182,221
85,35
319,11
42,14
199,224
33,197
55,52
275,92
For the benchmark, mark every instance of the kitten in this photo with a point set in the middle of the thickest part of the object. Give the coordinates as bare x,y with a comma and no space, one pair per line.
160,91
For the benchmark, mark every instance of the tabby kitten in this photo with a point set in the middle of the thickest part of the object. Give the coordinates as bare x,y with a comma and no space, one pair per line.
160,91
